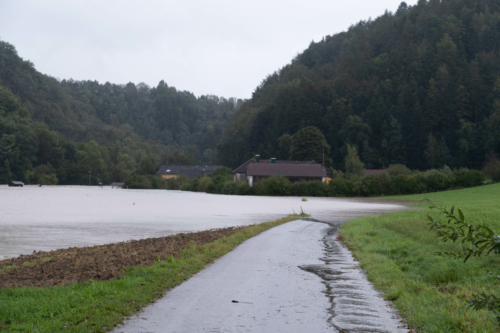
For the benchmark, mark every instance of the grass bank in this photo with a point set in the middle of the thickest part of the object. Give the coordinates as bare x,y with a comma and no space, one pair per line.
98,306
430,292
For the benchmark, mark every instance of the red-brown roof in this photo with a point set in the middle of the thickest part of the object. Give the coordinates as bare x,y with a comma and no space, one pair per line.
287,170
242,168
373,172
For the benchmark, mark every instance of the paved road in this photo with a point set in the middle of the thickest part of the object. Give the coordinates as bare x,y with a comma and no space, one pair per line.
277,280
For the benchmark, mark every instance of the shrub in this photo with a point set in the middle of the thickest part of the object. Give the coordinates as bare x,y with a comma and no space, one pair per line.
339,187
436,180
138,182
217,183
299,188
191,184
157,182
315,189
408,184
468,178
375,185
229,187
398,169
274,185
244,189
491,167
357,188
204,183
175,183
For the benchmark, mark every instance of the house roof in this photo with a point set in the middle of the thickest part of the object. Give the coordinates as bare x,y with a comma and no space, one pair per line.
191,171
373,172
16,182
287,170
242,168
117,184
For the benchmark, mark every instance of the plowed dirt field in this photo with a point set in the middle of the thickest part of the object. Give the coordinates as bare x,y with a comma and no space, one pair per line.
97,263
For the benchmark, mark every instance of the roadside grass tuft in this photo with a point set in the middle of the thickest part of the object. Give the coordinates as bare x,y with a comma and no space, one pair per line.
397,252
99,306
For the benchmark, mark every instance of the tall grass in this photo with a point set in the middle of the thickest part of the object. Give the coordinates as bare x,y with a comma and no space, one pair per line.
397,252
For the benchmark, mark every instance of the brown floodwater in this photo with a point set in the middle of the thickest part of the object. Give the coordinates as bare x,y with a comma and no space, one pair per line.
49,218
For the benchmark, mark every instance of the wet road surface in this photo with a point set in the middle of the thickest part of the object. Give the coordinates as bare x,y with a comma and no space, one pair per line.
292,278
355,306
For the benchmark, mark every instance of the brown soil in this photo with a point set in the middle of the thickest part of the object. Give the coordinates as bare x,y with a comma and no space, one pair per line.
97,263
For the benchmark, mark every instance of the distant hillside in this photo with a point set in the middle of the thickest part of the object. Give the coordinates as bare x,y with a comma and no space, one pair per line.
55,132
87,110
420,86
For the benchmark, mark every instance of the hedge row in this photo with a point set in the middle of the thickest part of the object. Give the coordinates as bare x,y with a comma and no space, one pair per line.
372,185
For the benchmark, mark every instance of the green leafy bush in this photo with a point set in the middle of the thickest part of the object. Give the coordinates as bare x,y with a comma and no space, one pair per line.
204,183
398,169
138,182
175,183
315,189
229,187
274,185
375,185
244,189
408,184
299,189
491,167
437,180
340,187
468,178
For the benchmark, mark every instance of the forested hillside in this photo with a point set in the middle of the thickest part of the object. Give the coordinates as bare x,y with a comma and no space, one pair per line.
55,131
420,87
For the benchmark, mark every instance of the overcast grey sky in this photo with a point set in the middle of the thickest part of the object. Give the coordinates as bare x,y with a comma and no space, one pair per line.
220,47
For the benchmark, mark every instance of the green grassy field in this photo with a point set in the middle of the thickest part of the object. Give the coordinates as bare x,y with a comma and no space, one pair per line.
397,251
98,306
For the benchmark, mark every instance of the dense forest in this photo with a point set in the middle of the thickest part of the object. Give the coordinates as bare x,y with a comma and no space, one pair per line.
54,131
420,87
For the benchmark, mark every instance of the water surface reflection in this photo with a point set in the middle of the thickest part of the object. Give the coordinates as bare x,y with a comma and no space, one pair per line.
48,218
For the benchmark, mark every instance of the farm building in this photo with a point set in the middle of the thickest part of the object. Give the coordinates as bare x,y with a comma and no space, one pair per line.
15,183
240,173
294,172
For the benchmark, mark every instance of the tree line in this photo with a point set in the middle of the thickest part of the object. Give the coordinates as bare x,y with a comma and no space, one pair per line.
88,110
31,152
419,87
55,131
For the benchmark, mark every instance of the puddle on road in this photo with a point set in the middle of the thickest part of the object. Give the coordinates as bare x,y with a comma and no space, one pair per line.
355,306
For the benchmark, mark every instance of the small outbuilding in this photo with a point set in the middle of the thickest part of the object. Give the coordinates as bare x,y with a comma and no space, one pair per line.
117,185
15,183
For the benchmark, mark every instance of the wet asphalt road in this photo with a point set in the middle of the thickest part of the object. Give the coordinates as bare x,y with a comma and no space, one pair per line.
292,278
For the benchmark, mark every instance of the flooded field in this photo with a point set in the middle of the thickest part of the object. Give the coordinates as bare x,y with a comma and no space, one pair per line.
49,218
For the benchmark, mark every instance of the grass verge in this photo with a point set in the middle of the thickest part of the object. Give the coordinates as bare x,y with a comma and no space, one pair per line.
99,306
397,253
